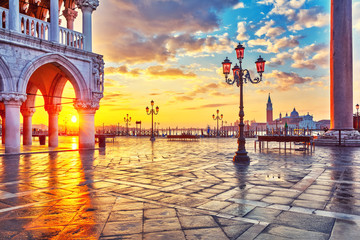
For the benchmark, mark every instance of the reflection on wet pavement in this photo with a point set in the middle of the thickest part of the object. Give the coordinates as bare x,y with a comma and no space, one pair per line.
137,189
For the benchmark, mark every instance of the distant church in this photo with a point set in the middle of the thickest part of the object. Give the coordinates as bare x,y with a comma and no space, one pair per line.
293,121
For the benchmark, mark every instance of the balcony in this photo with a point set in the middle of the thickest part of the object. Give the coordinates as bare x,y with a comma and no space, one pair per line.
40,29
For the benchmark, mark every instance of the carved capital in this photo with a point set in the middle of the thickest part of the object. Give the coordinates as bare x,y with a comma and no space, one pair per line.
27,112
13,98
87,106
87,4
53,109
70,14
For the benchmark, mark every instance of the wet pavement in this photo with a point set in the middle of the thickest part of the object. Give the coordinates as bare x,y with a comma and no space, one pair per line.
136,189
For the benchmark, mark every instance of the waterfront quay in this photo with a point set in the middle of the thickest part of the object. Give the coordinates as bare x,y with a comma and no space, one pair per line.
138,189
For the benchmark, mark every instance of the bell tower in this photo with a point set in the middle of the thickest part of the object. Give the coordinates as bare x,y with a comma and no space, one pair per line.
269,111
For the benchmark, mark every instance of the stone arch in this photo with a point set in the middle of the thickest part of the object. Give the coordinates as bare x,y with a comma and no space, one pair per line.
71,71
5,76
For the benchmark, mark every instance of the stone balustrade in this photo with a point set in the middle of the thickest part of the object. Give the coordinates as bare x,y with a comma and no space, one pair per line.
71,38
34,27
40,29
4,14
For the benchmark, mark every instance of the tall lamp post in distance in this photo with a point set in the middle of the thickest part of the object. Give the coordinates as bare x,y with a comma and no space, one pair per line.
127,119
152,112
217,118
357,117
240,77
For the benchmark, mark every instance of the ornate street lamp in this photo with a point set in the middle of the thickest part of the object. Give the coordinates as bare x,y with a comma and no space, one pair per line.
217,118
357,116
152,112
127,119
240,77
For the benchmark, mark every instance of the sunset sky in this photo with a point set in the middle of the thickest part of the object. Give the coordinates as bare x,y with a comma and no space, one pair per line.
171,51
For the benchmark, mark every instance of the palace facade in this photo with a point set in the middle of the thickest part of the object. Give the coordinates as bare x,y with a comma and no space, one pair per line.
38,55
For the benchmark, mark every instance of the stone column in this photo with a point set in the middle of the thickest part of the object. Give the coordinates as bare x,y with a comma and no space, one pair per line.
70,16
12,102
14,15
2,113
54,20
341,66
86,110
27,114
87,7
53,129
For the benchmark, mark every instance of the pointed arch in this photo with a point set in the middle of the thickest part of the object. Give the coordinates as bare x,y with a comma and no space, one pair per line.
5,76
71,71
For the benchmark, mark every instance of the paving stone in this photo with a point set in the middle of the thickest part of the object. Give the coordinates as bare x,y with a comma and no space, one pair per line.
166,235
205,233
116,228
263,214
237,209
277,200
344,229
160,213
197,221
159,225
309,222
214,205
294,233
236,230
131,215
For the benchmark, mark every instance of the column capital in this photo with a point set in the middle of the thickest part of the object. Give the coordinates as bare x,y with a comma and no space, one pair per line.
89,5
53,109
70,14
86,106
13,98
27,112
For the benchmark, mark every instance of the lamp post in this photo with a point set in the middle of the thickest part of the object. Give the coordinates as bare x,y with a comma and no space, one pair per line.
127,119
240,77
152,112
357,116
217,118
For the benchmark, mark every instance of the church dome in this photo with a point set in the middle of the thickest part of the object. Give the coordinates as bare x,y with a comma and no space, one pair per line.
294,114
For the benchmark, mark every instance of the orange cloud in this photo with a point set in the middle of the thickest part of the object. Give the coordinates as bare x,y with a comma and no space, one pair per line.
169,72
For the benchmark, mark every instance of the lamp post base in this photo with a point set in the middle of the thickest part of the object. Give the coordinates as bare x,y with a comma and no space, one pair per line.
241,157
152,138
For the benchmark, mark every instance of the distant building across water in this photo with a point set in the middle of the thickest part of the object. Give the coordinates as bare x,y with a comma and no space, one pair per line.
293,121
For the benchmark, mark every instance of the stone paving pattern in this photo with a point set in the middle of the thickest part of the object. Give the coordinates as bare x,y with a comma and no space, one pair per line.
136,189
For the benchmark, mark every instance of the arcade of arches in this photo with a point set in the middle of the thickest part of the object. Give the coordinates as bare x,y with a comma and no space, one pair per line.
48,75
37,55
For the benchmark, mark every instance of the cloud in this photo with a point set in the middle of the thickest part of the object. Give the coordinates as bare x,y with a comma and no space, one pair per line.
269,31
191,46
302,18
356,16
138,31
199,89
285,81
274,45
215,105
241,30
308,18
310,57
239,5
122,70
279,59
160,71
